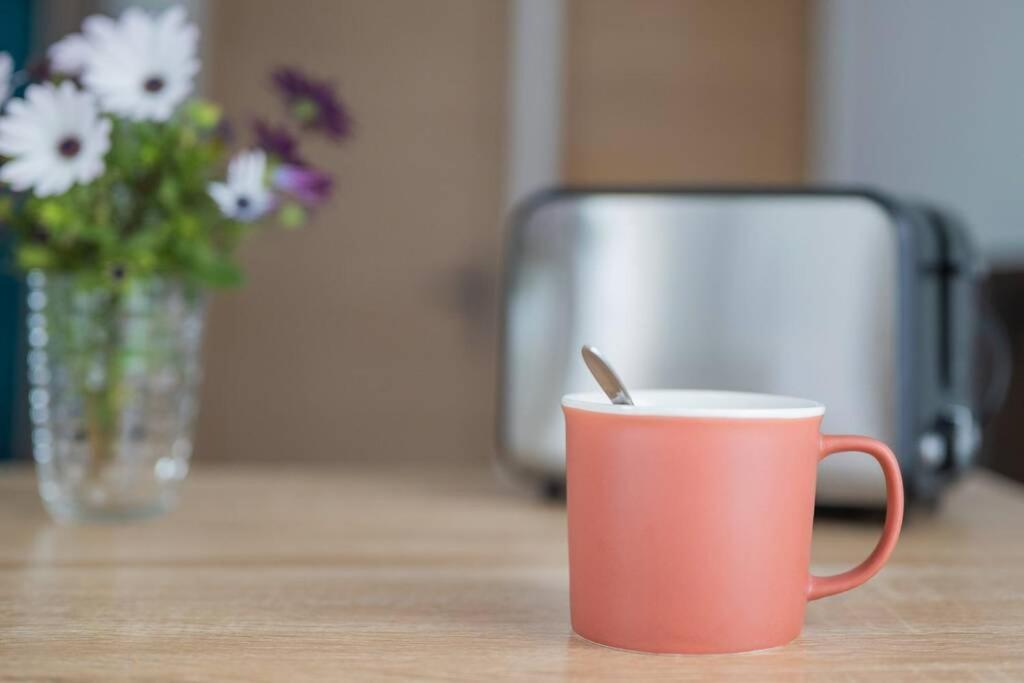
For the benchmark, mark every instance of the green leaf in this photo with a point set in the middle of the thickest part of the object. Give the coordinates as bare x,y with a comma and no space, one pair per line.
34,256
6,207
168,193
52,214
222,273
291,215
149,154
205,115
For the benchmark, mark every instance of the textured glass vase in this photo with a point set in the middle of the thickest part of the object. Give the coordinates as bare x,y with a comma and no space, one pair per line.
113,376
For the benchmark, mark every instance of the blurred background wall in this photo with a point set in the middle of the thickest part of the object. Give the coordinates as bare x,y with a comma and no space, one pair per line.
920,96
697,91
372,333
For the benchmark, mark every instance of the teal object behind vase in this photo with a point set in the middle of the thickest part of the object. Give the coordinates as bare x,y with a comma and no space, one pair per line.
15,32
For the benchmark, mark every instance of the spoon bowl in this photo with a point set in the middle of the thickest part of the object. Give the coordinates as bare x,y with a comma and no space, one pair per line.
606,377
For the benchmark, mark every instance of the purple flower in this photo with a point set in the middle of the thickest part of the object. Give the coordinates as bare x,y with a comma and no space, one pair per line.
40,70
225,132
313,103
308,185
278,142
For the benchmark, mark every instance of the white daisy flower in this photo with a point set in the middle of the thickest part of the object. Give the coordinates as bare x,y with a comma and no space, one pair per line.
245,196
70,54
6,72
142,66
54,138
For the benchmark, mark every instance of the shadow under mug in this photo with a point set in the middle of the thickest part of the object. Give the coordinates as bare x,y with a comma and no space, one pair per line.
690,518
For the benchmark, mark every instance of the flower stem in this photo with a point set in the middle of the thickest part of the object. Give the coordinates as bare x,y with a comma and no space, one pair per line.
103,403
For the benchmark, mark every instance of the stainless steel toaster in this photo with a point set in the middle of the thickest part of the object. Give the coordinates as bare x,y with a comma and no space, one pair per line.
853,298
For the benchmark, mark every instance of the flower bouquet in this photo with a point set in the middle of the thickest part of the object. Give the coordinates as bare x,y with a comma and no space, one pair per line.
111,186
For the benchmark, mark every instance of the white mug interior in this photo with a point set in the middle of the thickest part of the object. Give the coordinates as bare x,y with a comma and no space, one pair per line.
699,403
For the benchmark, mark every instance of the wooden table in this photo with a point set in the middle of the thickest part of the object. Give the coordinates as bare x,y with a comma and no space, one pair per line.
361,574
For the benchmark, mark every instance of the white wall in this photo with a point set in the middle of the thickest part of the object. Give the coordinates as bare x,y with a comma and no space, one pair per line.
927,97
535,90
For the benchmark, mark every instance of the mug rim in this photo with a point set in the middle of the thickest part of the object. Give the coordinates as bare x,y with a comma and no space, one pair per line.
699,403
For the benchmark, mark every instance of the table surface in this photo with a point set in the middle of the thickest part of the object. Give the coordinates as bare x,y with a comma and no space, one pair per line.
445,574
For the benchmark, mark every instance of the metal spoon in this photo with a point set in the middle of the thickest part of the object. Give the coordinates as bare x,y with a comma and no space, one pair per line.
606,377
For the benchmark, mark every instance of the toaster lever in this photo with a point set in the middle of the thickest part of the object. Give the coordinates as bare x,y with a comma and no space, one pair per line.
952,442
966,436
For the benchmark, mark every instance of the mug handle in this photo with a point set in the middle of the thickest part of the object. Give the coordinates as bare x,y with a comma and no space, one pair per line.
823,586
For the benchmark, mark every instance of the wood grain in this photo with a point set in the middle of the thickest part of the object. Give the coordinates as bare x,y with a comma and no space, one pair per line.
403,574
697,91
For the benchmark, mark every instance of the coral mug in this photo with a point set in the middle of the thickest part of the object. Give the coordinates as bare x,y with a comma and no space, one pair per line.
690,518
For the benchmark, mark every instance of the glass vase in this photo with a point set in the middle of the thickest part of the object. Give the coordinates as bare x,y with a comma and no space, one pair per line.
113,374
